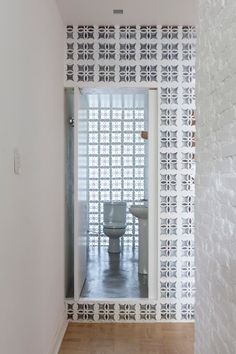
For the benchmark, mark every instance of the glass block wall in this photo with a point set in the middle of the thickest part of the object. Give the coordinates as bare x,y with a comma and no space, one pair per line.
116,156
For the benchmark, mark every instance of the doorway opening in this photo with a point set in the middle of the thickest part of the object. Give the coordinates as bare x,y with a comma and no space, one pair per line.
112,242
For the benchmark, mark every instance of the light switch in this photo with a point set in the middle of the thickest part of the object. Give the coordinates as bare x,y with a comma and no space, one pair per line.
17,162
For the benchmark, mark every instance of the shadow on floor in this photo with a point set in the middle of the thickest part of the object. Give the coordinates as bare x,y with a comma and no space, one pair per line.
114,275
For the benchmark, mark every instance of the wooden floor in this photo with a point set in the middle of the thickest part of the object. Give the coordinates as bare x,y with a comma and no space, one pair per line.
120,338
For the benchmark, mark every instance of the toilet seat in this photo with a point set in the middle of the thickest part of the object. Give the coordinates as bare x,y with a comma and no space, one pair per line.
114,225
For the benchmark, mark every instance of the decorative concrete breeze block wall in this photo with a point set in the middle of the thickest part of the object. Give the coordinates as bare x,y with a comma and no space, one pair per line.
216,179
147,56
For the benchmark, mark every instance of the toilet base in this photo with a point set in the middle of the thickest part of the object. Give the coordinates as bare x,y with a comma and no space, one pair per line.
114,245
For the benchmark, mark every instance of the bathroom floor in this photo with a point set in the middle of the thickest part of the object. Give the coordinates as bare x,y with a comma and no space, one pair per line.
114,275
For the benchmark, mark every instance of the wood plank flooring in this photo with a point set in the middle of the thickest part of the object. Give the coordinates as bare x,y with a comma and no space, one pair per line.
124,338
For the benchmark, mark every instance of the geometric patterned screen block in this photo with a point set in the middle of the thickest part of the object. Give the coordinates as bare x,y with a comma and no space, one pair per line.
146,56
116,156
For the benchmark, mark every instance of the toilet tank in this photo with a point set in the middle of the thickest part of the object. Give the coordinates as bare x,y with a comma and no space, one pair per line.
114,212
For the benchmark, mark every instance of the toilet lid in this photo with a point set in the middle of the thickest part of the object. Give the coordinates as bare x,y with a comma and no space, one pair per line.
114,225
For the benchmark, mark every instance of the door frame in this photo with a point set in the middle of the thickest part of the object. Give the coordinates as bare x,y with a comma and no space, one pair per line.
80,208
153,188
76,207
153,193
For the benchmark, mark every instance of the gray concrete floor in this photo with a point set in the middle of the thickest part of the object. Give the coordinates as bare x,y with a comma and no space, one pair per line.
114,275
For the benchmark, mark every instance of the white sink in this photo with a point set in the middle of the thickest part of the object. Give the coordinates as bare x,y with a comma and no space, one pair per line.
140,211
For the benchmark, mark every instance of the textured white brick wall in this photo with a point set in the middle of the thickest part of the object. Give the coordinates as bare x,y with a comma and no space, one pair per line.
216,179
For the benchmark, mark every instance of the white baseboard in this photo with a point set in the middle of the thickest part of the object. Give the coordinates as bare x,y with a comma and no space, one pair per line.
59,335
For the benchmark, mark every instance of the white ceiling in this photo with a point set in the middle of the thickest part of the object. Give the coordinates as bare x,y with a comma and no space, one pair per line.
142,12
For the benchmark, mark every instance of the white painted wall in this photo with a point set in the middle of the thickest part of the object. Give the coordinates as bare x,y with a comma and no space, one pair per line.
216,179
32,203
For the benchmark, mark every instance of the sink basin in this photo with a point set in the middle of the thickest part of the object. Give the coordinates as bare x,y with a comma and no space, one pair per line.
140,211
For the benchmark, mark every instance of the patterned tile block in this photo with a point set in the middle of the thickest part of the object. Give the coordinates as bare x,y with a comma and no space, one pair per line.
106,312
168,204
70,311
127,312
85,312
127,73
148,73
107,73
169,73
168,269
128,32
187,269
187,182
169,95
188,118
168,161
187,226
168,182
70,32
168,139
188,51
107,51
188,95
168,311
188,289
188,139
168,290
85,32
148,51
106,32
86,73
188,204
169,117
187,248
187,311
169,32
187,160
127,51
148,32
70,71
170,51
148,312
169,248
168,226
85,51
189,32
70,51
188,73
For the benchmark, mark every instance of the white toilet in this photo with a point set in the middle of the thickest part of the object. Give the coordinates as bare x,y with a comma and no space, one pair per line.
114,223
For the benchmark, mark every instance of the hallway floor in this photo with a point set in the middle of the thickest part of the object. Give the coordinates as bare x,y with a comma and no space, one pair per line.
114,275
123,338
